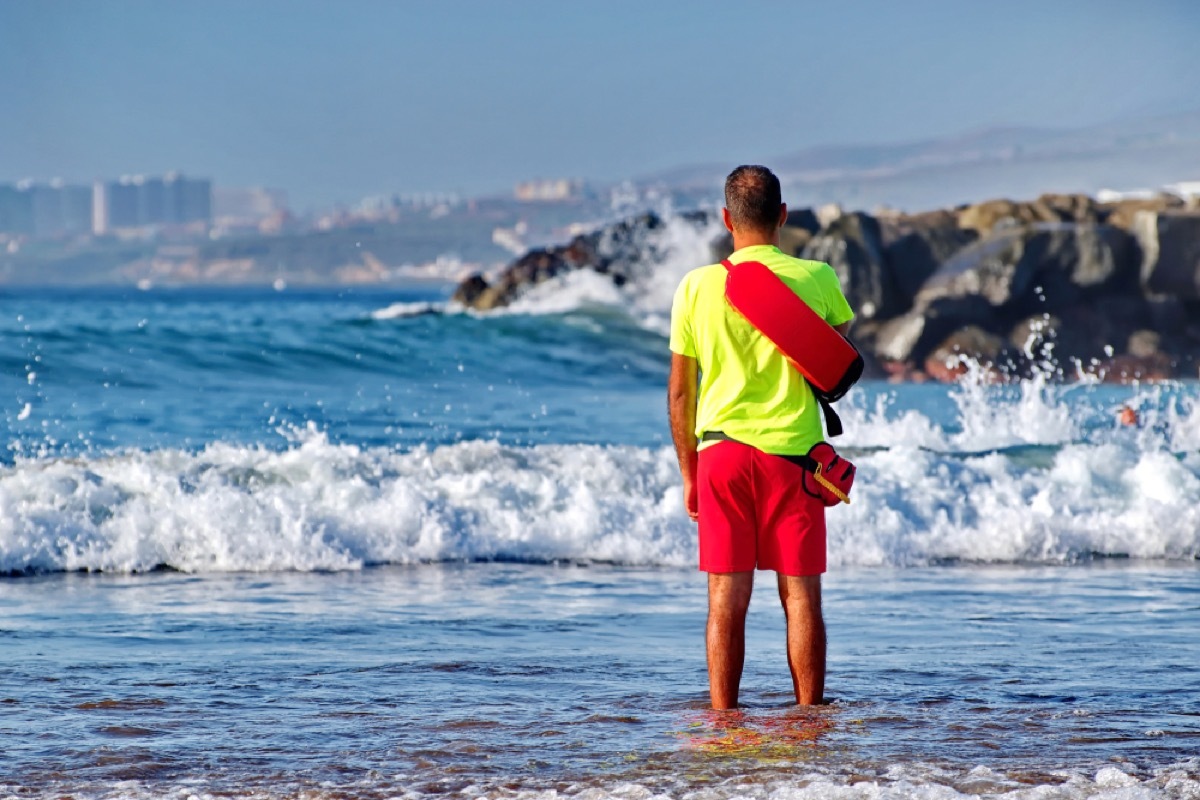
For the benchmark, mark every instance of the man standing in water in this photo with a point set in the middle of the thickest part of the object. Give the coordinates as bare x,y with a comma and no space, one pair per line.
736,405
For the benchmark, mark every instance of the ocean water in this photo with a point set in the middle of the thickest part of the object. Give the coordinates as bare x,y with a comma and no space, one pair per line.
364,544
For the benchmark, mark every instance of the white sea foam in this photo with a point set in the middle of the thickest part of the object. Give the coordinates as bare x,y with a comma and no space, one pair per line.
925,782
568,292
913,506
318,505
1032,412
402,310
801,782
671,251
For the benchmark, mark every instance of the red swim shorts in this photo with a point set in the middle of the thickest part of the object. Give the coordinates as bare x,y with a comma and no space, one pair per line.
754,513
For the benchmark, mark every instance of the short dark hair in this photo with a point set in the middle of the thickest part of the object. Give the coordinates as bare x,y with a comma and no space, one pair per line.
753,197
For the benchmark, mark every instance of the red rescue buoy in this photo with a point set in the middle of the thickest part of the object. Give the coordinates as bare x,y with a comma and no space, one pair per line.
825,358
822,355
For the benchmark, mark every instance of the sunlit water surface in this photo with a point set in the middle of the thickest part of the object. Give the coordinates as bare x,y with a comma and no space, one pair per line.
493,678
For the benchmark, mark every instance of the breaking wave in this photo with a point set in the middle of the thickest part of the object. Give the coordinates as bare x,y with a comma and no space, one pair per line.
932,496
666,254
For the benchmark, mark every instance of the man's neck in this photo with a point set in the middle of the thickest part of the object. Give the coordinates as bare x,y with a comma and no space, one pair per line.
754,238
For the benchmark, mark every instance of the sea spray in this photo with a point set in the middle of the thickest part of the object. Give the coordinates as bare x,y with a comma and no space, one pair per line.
661,256
316,505
992,416
667,253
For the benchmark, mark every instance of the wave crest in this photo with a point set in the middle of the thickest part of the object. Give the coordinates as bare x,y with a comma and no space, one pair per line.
322,506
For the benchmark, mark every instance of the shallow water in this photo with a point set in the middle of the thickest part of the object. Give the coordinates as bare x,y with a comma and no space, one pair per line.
494,678
364,545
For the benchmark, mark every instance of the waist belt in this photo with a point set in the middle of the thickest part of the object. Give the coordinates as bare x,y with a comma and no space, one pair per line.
807,462
832,474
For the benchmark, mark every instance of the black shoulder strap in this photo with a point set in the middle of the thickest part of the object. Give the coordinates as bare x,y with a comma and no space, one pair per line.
833,423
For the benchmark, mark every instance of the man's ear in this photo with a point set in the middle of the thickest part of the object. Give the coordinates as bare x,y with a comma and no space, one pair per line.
782,214
728,220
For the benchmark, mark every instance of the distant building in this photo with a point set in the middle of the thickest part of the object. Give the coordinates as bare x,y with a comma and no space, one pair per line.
45,209
76,209
425,200
120,204
151,200
189,199
139,201
59,209
100,208
548,191
16,210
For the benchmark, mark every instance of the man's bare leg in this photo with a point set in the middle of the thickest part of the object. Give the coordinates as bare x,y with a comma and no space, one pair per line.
801,599
728,602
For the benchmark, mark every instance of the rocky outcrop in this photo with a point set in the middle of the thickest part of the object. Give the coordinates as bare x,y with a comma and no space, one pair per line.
612,251
1111,289
914,336
1170,242
915,247
1041,267
853,245
984,218
1123,213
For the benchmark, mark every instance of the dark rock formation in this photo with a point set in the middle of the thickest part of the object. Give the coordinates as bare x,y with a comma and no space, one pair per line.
1037,268
1071,207
853,245
1111,289
913,336
612,251
1128,368
791,240
1170,242
986,217
946,362
916,246
804,218
469,291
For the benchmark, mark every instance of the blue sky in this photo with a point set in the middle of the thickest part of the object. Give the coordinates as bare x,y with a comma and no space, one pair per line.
332,101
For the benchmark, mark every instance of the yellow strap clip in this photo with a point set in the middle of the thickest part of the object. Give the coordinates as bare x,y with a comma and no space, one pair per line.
821,479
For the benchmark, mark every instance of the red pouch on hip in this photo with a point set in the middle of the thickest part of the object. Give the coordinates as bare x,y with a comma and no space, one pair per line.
830,476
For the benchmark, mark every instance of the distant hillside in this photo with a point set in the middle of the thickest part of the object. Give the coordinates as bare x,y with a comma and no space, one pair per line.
1145,152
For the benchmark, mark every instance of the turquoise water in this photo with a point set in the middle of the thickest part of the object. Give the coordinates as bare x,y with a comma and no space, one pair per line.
362,545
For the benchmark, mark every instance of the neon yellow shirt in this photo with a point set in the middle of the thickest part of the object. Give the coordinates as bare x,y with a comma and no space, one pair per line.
748,390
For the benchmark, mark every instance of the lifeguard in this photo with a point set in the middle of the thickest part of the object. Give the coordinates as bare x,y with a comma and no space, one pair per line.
730,379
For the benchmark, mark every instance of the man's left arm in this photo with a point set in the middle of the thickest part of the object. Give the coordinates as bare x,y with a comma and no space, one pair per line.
681,408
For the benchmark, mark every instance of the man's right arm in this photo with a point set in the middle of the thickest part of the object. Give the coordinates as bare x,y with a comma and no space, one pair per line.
681,407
